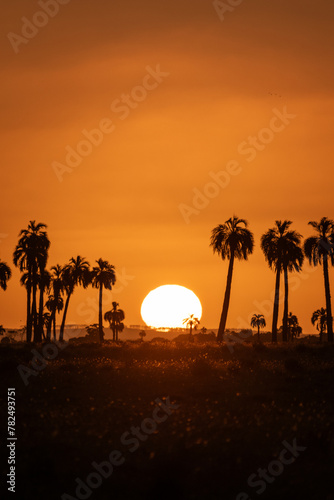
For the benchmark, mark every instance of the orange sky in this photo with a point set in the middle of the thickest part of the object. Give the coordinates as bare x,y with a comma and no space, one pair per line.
122,203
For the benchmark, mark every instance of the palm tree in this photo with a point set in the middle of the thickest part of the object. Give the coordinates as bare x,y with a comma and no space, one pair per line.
57,287
54,305
30,256
5,274
44,285
75,273
279,246
319,250
115,317
102,276
294,330
192,322
231,240
258,321
293,258
142,334
319,318
2,330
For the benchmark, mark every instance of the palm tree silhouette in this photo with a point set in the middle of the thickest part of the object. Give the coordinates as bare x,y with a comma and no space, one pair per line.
5,274
293,258
75,273
44,281
319,250
54,305
57,287
102,276
319,318
191,322
281,251
115,317
294,330
231,240
2,330
30,256
258,321
142,334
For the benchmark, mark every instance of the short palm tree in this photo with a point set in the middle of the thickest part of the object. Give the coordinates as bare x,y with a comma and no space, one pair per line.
142,334
319,318
294,329
2,330
283,253
57,287
115,317
54,305
231,240
191,322
75,273
5,275
258,321
102,276
319,250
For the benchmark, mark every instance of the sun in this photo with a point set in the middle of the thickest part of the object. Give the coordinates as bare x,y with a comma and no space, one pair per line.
168,305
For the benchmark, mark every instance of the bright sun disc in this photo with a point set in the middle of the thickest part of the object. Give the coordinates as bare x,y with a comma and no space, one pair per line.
168,305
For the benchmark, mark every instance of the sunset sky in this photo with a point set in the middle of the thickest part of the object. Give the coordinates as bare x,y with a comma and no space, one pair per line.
222,81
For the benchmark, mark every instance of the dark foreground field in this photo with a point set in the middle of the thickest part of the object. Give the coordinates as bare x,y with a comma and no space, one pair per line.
232,414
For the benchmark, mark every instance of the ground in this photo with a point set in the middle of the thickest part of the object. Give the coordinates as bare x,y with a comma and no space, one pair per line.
231,413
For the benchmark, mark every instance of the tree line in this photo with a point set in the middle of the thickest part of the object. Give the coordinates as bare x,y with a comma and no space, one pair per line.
49,291
284,252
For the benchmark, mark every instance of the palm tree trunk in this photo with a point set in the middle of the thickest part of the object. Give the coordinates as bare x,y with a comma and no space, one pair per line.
54,313
276,304
62,326
40,308
328,302
286,305
226,304
29,322
258,332
34,309
100,313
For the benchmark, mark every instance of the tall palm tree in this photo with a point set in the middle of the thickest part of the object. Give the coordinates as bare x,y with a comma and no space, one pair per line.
231,240
75,273
57,287
319,318
258,321
29,255
191,322
319,250
102,276
293,258
115,317
5,274
276,245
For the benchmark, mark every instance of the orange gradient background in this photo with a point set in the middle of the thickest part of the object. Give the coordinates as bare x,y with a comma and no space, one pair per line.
122,202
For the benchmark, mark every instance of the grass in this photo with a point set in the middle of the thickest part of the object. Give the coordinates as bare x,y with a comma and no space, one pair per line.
235,410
